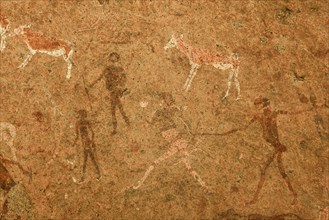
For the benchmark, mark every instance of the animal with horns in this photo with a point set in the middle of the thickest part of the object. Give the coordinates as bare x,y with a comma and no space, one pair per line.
198,57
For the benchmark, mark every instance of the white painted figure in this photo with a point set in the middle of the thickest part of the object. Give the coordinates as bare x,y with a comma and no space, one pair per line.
164,121
199,57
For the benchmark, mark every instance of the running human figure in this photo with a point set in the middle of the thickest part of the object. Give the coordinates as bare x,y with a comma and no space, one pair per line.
164,120
86,133
115,80
268,120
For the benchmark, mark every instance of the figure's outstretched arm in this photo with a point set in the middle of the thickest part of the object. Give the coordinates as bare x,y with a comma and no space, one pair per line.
281,112
92,132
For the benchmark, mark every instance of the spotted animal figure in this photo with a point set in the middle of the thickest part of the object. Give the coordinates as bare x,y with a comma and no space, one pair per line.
38,43
198,57
4,28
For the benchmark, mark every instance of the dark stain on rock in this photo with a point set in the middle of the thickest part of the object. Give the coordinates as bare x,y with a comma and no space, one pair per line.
38,116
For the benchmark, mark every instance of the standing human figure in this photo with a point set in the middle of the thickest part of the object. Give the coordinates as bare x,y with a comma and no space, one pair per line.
115,80
164,121
268,120
86,133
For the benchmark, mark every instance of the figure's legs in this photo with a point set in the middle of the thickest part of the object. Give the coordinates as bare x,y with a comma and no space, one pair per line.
229,82
113,109
195,175
285,176
85,157
262,178
165,156
92,157
194,68
123,112
27,60
237,83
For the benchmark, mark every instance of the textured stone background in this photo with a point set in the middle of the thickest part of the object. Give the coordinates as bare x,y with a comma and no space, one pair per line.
284,52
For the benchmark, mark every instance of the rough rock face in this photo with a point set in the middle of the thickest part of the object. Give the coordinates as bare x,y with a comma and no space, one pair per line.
95,88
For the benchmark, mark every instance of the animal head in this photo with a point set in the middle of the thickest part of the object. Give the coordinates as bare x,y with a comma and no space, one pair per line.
21,29
173,41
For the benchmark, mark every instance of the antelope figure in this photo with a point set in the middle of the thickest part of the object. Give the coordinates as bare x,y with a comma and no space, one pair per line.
7,136
199,57
38,43
4,28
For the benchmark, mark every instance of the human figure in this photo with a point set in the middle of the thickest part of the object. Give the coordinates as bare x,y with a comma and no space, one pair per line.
318,119
86,133
268,120
115,80
7,182
164,120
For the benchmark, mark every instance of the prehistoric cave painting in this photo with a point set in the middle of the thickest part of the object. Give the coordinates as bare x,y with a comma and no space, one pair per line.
8,135
85,132
197,58
115,81
38,43
4,28
164,120
268,120
7,182
318,119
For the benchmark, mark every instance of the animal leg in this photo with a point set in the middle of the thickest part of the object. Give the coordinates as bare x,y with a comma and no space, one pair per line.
229,82
3,42
262,178
285,176
237,83
69,68
68,61
26,61
191,76
165,156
